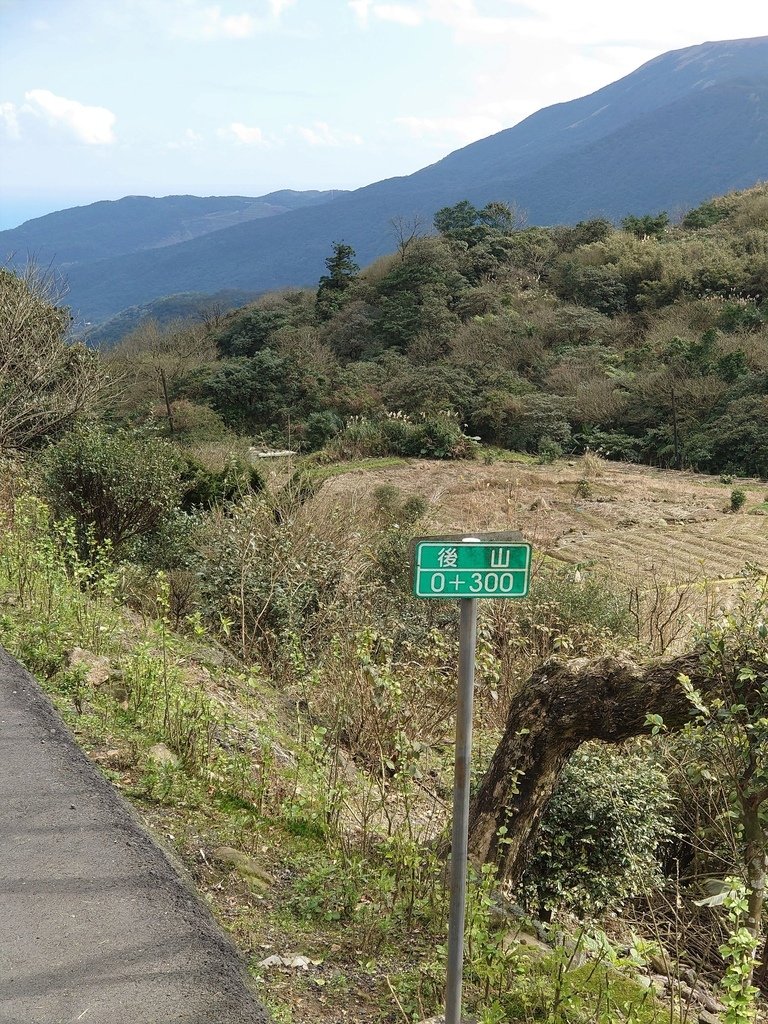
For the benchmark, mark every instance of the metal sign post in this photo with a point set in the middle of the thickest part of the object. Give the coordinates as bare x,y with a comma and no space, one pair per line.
491,565
459,837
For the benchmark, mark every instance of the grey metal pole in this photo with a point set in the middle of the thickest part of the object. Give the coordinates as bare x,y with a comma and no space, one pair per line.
459,841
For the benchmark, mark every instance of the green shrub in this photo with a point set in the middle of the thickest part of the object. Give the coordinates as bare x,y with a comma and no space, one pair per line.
745,315
398,517
438,438
704,216
319,428
120,487
431,437
194,422
268,569
598,842
549,451
738,497
205,487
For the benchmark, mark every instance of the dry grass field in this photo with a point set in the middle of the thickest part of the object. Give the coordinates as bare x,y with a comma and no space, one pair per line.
637,522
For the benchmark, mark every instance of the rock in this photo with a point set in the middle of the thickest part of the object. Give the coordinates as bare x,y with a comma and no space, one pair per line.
530,943
660,982
707,1017
95,667
161,754
99,673
272,961
283,756
504,914
684,991
211,656
708,1001
116,758
242,863
659,964
300,963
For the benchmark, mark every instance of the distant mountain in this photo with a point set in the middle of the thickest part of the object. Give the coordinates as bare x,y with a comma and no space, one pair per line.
688,125
186,306
136,223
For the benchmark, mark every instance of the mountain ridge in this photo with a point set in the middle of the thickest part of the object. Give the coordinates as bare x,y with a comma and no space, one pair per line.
135,223
687,125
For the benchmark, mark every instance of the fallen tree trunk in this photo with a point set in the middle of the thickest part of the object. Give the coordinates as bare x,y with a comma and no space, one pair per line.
562,705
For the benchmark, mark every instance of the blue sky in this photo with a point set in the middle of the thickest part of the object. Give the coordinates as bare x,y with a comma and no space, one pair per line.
105,98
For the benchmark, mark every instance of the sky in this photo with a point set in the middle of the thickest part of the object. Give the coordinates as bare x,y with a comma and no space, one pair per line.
105,98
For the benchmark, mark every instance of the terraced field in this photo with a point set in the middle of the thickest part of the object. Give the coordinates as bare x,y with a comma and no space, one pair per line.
716,550
639,522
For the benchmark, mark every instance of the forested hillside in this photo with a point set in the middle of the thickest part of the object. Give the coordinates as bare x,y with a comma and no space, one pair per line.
647,343
235,640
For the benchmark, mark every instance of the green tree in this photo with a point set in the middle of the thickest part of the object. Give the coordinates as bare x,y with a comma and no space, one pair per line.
416,296
598,286
583,233
501,217
648,226
244,331
342,271
451,219
267,391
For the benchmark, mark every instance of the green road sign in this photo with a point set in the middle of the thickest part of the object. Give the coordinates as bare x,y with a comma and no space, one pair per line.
471,567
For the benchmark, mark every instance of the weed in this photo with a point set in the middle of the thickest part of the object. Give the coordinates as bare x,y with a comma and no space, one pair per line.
584,489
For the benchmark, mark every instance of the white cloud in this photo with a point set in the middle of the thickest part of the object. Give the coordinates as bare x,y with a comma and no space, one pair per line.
209,23
278,6
460,129
91,125
201,21
401,14
321,134
398,13
246,135
361,10
10,120
190,140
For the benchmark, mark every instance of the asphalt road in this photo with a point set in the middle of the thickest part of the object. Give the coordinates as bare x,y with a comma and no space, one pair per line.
96,926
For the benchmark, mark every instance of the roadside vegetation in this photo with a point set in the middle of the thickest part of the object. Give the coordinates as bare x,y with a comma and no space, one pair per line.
233,640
